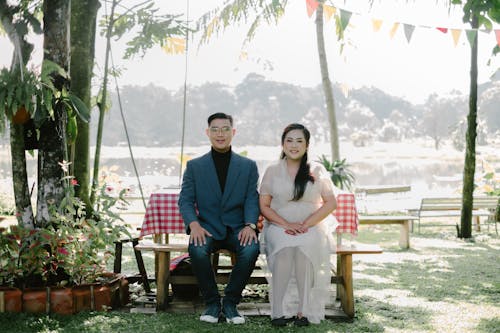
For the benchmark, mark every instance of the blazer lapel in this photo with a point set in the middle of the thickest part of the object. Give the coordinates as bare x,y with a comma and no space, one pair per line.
211,175
232,176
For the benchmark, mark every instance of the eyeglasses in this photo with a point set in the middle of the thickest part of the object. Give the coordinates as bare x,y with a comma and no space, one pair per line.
220,130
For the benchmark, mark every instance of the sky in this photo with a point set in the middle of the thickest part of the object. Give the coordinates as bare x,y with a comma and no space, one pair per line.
287,51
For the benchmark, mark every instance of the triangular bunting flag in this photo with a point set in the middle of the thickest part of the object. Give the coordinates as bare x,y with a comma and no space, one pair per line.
329,11
345,16
376,23
174,45
408,31
311,6
471,35
345,89
497,33
455,33
395,27
443,30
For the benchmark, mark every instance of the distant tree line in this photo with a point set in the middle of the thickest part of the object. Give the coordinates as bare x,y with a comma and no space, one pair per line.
262,108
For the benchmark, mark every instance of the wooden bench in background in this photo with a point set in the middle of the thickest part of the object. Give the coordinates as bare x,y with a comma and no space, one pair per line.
483,206
404,221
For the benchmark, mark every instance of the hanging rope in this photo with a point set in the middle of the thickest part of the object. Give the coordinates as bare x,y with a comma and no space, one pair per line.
126,131
185,96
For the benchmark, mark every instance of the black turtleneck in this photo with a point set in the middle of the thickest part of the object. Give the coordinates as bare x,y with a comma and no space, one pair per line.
221,161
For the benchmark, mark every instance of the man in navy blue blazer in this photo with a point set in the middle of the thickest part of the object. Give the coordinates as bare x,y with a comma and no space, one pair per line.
220,207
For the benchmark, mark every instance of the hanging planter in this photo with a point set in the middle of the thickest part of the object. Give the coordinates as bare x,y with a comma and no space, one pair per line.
21,117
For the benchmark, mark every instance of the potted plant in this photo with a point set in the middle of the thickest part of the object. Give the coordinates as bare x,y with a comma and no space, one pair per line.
18,91
29,99
339,171
65,261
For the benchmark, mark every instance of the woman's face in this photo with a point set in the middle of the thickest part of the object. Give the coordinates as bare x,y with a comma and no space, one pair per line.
294,145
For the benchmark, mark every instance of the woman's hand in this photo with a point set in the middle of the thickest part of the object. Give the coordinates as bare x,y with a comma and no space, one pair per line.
294,228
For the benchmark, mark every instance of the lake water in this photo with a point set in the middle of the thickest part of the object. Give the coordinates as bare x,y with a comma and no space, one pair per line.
430,172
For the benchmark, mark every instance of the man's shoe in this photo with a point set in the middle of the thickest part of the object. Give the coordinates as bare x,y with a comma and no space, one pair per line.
231,314
211,314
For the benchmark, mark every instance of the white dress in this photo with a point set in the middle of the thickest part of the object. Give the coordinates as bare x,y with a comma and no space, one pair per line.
316,244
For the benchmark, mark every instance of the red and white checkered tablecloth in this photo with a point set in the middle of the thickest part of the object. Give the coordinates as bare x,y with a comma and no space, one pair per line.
346,214
163,216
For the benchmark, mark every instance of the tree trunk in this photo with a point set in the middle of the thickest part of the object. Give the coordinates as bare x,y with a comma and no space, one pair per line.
83,28
102,104
24,210
327,85
470,144
52,143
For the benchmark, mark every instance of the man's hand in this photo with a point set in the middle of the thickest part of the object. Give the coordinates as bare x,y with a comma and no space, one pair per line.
198,234
246,236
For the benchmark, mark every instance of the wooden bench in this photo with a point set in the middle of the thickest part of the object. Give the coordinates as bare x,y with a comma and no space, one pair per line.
380,189
483,206
403,220
343,276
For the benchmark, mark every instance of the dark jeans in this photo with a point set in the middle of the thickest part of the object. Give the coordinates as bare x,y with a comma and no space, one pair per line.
246,256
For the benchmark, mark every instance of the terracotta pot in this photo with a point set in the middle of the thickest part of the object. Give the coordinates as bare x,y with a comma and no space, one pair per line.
48,300
61,301
11,299
101,297
35,301
21,116
93,297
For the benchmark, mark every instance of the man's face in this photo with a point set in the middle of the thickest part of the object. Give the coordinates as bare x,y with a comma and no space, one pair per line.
221,134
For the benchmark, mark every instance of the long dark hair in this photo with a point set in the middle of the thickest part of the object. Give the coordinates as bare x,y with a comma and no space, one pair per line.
304,174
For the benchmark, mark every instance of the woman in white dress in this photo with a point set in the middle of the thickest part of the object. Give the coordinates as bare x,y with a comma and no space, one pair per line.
297,199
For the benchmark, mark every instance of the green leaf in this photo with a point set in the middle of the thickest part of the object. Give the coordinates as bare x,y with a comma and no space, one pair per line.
80,108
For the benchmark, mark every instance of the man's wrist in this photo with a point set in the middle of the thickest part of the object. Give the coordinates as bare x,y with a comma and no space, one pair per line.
252,226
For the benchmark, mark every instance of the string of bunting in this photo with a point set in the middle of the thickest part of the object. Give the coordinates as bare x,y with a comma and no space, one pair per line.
345,16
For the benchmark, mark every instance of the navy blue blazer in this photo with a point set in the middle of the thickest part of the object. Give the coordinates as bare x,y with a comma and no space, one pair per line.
201,198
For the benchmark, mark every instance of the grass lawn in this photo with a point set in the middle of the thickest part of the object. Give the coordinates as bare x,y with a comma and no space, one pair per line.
441,284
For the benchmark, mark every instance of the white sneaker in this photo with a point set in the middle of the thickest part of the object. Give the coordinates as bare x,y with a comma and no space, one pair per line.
209,319
231,314
236,320
211,314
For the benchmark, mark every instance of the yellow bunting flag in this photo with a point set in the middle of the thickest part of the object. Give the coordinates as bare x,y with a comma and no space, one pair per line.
408,31
497,33
394,28
174,45
471,35
345,89
243,55
329,11
455,33
311,6
376,23
211,26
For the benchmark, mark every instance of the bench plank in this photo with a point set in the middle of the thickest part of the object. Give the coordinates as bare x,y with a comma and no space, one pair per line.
403,220
482,206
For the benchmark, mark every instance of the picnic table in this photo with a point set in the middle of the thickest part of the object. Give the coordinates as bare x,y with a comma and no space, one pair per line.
162,217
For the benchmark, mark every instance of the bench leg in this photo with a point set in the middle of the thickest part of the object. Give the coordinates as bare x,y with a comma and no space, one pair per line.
346,288
117,266
140,267
478,223
404,235
162,280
